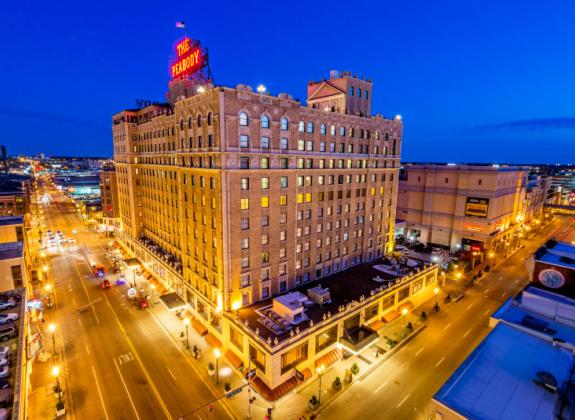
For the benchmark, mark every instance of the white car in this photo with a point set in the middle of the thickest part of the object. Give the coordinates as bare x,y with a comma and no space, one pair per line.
5,351
7,304
4,372
9,317
4,361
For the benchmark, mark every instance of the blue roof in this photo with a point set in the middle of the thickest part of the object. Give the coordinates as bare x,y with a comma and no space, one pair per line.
11,220
561,254
496,380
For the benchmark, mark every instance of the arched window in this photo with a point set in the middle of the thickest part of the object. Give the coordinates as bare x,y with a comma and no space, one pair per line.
244,120
310,127
332,130
322,129
367,134
377,135
359,92
199,120
361,133
386,136
394,147
351,132
284,124
301,127
181,124
342,131
209,118
351,92
190,122
265,120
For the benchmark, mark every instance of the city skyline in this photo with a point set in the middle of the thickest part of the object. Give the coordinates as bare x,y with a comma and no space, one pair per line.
458,75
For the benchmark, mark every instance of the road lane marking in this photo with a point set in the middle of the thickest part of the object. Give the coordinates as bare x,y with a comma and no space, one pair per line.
466,333
173,377
87,295
469,307
516,281
379,387
80,322
447,326
144,332
126,358
402,401
135,353
440,362
500,278
419,351
503,294
486,290
127,392
87,348
100,393
486,312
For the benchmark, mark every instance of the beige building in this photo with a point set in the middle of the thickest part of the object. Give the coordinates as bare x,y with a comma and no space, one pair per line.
13,253
233,198
460,206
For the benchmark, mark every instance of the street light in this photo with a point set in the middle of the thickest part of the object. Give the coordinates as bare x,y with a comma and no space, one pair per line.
217,354
404,313
458,275
55,373
320,370
187,323
52,329
48,289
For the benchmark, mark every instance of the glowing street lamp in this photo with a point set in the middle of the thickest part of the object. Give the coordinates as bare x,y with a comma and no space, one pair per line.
217,354
261,88
187,323
56,373
48,289
436,291
319,371
404,313
458,275
201,89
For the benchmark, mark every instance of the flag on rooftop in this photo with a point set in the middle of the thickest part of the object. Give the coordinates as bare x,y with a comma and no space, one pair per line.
180,24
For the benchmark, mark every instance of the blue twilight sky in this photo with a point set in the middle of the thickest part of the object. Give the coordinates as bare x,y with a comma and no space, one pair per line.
475,80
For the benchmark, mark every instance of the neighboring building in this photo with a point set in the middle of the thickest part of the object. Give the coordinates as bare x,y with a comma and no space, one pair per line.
461,206
552,268
232,198
14,195
522,369
14,255
109,197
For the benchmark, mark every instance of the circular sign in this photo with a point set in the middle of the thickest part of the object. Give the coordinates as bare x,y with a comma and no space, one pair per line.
552,278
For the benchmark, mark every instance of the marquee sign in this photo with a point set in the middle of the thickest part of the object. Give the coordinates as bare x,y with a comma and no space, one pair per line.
478,207
189,59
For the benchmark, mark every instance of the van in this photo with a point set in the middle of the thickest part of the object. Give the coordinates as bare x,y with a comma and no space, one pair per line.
7,332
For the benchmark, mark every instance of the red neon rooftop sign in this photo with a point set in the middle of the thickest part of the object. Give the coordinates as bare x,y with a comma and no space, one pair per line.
189,59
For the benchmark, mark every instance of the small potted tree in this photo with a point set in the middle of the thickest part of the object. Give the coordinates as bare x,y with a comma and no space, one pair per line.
211,369
227,387
336,384
354,368
313,403
409,327
60,410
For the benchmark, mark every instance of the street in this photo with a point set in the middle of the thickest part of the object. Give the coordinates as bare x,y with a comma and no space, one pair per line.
118,361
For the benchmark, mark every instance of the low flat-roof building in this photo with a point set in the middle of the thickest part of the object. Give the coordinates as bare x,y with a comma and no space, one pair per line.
522,369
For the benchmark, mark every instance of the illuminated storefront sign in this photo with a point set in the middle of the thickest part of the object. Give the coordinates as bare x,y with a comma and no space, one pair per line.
189,59
474,228
477,207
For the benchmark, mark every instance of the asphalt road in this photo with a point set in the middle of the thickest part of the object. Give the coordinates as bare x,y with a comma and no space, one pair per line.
119,362
402,387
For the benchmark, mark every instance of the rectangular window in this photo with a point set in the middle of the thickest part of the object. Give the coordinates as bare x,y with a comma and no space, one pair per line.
265,163
237,338
291,358
283,200
265,292
245,280
265,142
245,203
403,294
283,182
245,184
300,145
284,163
265,183
325,339
283,144
244,141
245,223
244,162
258,358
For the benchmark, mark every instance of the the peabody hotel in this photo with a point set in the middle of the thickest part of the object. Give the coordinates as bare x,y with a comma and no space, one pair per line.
269,219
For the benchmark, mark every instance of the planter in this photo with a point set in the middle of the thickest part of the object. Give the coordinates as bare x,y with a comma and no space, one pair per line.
336,384
354,369
313,403
60,410
211,372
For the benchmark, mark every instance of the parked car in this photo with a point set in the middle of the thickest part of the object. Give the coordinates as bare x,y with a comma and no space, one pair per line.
5,413
4,372
5,361
5,397
9,317
7,304
105,284
4,383
5,351
7,332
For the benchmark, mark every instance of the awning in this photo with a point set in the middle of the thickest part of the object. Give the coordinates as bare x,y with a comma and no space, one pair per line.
406,305
376,325
306,374
213,340
391,316
329,358
132,262
358,339
172,301
199,327
273,394
233,359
